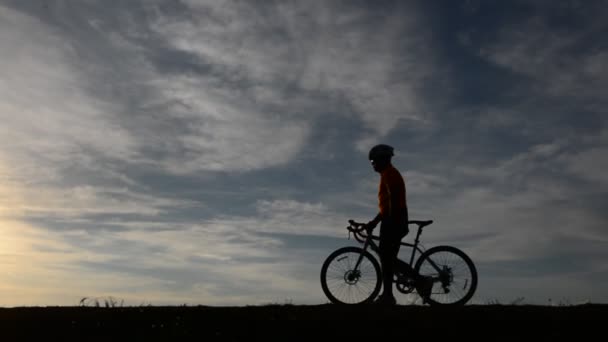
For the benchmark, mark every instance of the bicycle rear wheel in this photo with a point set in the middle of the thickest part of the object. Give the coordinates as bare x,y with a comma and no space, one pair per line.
453,272
342,284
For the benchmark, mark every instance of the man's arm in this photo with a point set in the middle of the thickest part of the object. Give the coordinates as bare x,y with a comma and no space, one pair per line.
373,223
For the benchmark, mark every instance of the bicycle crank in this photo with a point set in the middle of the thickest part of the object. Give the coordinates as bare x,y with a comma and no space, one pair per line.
404,284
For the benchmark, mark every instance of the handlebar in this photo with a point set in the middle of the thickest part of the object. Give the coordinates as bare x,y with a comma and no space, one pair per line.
358,229
355,227
361,234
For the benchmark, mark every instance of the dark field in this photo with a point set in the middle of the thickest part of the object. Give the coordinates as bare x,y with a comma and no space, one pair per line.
289,322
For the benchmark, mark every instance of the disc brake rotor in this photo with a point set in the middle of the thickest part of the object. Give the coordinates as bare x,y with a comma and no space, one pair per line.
352,277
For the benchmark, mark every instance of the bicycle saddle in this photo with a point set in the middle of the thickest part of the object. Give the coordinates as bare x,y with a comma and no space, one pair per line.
420,223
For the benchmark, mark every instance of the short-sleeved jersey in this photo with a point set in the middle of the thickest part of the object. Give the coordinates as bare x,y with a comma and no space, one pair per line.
391,194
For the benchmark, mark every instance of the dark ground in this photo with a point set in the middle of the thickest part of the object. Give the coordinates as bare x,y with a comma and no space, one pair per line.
289,322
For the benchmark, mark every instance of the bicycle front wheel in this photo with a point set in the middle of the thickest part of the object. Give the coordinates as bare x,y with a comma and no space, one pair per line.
453,272
342,283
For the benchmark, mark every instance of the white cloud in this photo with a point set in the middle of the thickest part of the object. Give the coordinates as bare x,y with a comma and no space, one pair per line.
590,164
52,129
517,209
424,184
48,120
320,48
294,217
496,117
39,268
50,124
357,60
26,202
226,131
183,263
534,49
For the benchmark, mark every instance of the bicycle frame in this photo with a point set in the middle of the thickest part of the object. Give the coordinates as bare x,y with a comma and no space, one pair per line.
370,243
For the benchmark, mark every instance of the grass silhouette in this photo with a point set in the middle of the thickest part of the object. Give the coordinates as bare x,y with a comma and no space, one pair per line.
108,302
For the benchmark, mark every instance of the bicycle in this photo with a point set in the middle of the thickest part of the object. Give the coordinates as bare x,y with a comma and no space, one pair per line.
352,275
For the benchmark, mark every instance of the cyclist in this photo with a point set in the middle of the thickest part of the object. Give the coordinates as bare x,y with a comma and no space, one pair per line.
393,218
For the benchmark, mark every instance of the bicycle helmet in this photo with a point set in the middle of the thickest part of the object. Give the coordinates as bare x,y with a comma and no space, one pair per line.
381,151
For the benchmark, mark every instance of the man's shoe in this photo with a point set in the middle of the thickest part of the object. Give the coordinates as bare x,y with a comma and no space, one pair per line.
386,300
425,287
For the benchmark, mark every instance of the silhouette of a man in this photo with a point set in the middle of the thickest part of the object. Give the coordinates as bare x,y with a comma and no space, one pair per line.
393,216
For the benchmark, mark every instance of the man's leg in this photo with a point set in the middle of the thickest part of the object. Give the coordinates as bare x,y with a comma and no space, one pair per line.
389,248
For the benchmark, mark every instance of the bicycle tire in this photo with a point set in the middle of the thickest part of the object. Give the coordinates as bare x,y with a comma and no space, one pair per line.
463,282
337,268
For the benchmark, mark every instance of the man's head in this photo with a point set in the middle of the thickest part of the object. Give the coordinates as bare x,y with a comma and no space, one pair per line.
380,157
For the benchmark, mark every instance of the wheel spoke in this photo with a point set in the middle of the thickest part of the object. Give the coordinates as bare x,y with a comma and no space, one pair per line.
339,282
460,275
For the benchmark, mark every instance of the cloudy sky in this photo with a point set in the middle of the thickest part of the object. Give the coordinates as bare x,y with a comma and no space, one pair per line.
211,152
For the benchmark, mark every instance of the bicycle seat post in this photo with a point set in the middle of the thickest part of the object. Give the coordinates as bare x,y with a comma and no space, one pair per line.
420,224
